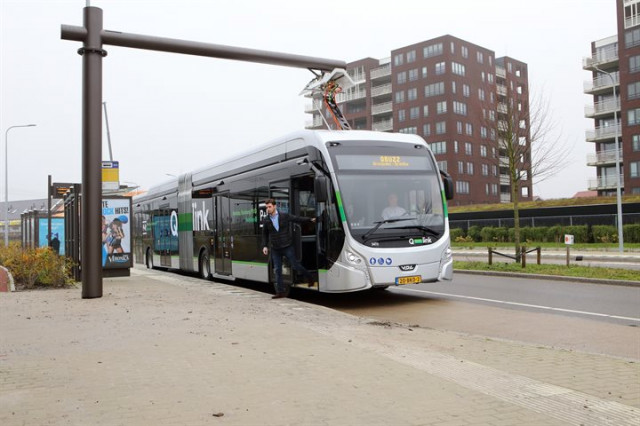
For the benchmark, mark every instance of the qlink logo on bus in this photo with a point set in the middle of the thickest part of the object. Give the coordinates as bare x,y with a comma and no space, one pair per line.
200,222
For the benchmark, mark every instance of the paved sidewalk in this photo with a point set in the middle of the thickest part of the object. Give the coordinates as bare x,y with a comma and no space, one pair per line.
166,349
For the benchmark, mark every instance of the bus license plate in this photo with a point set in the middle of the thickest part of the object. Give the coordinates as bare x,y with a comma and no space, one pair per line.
414,279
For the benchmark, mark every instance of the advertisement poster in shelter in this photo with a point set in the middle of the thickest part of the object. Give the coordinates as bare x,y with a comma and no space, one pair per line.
116,233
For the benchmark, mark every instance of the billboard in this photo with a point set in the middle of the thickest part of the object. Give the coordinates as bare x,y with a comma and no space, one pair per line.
116,233
57,233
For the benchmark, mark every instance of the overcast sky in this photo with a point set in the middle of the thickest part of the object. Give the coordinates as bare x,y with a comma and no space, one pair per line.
171,113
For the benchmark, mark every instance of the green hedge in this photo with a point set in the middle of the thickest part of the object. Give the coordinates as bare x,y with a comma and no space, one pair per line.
549,234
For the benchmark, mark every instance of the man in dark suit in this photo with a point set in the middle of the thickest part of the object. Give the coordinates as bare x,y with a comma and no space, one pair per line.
276,230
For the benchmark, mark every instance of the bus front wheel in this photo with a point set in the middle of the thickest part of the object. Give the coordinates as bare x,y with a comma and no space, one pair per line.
204,268
149,259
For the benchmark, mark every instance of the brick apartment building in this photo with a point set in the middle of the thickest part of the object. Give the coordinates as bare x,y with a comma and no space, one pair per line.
452,93
615,85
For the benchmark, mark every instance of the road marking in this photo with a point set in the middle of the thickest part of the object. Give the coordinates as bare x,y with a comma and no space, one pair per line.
526,305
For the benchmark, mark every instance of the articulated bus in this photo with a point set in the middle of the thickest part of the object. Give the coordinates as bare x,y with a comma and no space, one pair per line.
209,221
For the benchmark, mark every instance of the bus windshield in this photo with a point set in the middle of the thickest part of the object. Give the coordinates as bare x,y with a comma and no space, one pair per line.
390,195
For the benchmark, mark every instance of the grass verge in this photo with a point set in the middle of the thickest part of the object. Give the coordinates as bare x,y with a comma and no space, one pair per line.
560,270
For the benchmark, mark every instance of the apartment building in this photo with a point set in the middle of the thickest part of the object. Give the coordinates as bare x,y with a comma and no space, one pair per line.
615,86
455,95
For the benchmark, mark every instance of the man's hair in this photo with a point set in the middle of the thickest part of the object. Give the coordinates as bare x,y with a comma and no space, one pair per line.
270,201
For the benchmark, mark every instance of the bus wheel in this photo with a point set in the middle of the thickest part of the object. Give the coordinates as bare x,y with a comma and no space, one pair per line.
203,267
149,259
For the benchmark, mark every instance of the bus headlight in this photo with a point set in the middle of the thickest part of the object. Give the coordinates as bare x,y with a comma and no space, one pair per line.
447,256
352,258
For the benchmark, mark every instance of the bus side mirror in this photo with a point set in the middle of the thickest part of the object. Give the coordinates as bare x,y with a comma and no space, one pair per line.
448,185
320,188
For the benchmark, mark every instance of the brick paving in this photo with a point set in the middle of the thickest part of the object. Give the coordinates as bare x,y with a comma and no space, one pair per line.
166,349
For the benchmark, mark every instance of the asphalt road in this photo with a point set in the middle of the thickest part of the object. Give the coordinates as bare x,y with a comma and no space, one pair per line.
593,318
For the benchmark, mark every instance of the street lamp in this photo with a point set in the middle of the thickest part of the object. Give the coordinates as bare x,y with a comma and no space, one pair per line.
618,186
6,182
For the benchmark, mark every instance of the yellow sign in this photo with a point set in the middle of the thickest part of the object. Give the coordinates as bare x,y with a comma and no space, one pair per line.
390,161
110,175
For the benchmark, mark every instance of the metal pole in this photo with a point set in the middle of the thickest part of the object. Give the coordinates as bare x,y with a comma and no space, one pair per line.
49,191
617,144
91,203
6,181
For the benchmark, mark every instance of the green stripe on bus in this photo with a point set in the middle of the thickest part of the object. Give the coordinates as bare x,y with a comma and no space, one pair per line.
444,203
242,262
185,222
343,217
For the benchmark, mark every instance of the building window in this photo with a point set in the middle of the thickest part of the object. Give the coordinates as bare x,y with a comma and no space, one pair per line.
432,50
631,13
466,91
525,192
438,147
426,129
440,68
402,77
635,143
401,115
458,69
632,38
412,130
459,108
483,150
483,132
442,165
411,56
414,113
460,167
425,111
441,107
459,127
633,116
424,72
633,90
465,51
494,188
400,96
480,57
398,59
441,127
469,168
413,74
412,94
469,129
455,146
481,94
634,63
485,170
468,148
434,89
453,87
462,187
634,169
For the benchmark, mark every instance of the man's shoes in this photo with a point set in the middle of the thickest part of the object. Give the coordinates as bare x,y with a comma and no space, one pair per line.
279,295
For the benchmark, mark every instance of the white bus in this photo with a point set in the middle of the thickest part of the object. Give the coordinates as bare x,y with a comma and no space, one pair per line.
379,200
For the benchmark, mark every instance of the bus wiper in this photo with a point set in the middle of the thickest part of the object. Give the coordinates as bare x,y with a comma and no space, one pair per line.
380,223
422,228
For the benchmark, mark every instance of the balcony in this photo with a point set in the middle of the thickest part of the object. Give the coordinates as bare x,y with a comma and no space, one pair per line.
501,89
501,72
601,83
315,123
384,108
505,197
383,126
505,180
383,71
602,57
601,108
351,96
384,89
313,107
603,158
603,133
605,182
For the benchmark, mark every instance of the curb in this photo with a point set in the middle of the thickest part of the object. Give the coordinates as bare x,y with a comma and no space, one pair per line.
551,277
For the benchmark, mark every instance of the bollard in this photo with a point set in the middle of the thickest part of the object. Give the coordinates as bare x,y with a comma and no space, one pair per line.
490,256
538,254
524,256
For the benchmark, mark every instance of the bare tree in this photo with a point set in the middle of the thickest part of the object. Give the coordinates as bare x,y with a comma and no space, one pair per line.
529,145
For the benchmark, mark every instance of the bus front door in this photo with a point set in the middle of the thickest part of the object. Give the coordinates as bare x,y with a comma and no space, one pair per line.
304,204
223,238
